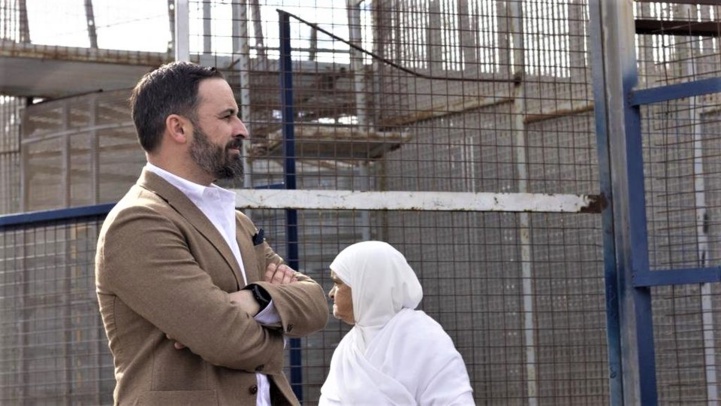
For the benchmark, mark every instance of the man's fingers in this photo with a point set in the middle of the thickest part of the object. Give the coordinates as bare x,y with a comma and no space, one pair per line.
280,274
176,344
269,272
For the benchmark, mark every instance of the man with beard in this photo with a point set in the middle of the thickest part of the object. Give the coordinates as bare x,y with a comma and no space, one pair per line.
196,305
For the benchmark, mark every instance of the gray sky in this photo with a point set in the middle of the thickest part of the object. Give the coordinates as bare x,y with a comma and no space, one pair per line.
142,25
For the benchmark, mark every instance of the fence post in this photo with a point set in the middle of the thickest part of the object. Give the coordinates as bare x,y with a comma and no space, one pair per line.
291,215
631,355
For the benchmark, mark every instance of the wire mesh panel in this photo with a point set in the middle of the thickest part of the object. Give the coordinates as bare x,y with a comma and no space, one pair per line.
10,30
53,348
79,151
10,110
424,97
681,151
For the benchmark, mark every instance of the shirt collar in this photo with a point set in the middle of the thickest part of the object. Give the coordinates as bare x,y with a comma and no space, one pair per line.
194,191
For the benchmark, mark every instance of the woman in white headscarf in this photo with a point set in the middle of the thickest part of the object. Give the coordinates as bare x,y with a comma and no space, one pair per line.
393,355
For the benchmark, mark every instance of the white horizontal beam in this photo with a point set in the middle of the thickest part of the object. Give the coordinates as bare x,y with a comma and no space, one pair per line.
418,201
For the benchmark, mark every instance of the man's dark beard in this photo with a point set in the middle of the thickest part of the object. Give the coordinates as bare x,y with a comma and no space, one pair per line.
214,159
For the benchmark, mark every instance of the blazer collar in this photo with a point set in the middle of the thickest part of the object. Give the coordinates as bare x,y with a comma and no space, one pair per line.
186,208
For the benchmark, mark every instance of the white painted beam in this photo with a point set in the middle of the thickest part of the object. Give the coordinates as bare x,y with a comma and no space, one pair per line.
420,201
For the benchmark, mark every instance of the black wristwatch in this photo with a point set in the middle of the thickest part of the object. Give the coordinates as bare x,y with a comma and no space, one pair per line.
261,296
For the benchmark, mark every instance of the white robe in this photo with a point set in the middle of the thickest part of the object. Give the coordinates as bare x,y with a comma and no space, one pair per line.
394,355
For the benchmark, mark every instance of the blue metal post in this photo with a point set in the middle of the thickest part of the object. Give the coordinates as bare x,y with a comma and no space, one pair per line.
618,122
613,323
291,216
629,146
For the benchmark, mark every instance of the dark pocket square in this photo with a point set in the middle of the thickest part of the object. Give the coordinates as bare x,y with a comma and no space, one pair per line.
259,238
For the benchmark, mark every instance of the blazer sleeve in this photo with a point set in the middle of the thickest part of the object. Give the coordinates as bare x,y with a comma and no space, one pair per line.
302,306
145,259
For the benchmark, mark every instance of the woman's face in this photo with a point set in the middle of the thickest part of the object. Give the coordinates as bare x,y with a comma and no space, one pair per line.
342,300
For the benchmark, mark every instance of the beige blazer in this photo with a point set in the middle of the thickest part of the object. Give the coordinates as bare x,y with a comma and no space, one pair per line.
163,269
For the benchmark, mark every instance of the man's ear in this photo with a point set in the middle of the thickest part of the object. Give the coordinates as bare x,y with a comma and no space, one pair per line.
179,128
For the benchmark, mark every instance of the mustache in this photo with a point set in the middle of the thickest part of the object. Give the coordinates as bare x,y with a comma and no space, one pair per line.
235,143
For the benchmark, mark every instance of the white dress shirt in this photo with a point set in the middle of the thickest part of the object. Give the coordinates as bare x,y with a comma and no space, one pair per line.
218,205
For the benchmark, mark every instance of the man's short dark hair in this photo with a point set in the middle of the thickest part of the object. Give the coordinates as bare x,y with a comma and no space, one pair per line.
170,89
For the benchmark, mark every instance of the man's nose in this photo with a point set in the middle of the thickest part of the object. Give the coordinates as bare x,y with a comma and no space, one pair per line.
241,130
331,292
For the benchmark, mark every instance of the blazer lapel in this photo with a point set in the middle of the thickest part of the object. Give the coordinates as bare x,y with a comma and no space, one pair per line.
180,202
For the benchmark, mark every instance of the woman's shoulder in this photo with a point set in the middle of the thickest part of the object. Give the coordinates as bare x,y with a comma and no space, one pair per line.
418,318
420,327
417,342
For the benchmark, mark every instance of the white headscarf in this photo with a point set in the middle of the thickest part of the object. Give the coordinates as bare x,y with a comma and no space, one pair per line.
382,283
393,355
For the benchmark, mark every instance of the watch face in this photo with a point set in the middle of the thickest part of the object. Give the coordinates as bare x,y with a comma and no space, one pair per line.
261,296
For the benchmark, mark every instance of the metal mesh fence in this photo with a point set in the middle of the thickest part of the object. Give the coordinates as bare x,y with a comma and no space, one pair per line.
79,151
53,346
432,103
681,150
10,111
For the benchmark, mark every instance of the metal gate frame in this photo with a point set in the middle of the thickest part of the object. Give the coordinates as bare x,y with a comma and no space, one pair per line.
632,365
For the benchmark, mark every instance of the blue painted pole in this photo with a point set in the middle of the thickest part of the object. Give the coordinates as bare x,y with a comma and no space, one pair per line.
291,216
618,124
611,273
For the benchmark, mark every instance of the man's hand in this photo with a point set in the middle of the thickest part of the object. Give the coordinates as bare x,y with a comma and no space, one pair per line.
280,274
178,345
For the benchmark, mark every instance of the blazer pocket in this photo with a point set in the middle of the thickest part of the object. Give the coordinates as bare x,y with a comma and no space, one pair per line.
259,251
178,398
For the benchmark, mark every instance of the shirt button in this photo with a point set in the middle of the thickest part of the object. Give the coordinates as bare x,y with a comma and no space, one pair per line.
253,389
290,328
